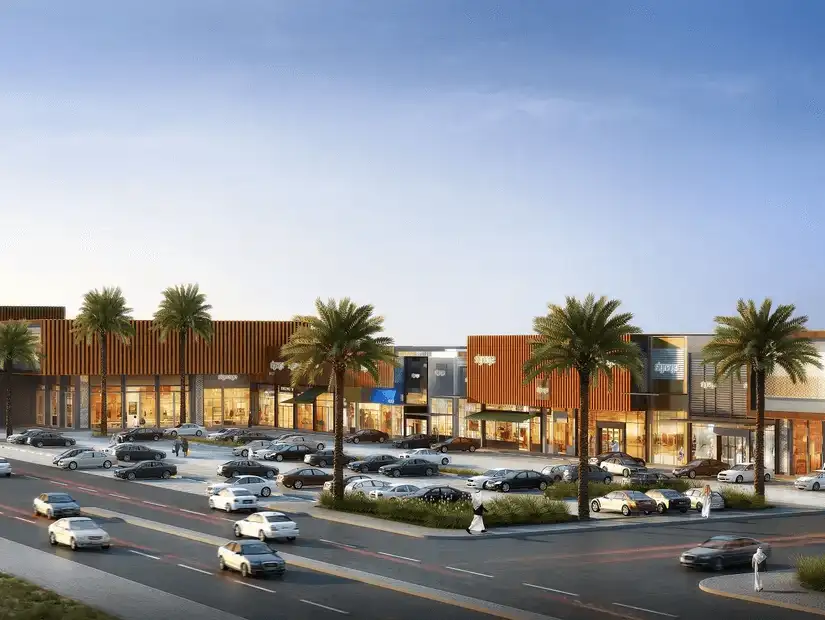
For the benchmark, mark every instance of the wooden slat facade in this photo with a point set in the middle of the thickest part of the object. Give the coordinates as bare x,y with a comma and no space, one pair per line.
386,374
500,382
31,313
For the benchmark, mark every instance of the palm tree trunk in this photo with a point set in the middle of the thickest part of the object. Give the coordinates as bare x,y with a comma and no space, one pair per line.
182,369
584,423
759,457
9,426
104,413
338,454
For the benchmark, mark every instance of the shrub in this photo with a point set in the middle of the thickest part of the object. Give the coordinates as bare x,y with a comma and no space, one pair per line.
511,510
811,572
564,490
458,471
742,500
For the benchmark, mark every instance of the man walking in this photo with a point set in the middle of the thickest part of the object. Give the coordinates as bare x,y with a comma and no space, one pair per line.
185,445
176,446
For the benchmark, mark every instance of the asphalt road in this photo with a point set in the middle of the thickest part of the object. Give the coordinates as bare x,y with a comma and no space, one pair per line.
621,574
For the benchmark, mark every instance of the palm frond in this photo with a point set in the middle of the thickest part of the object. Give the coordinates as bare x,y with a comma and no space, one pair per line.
18,345
103,312
183,310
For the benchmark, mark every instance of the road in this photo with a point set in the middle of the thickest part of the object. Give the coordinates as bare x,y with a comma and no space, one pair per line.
631,574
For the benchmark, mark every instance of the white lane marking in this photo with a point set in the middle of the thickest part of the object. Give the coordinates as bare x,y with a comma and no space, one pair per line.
25,520
191,512
252,585
346,613
228,519
197,570
145,555
88,490
469,572
146,501
531,585
332,542
60,484
650,611
32,477
400,557
119,496
2,513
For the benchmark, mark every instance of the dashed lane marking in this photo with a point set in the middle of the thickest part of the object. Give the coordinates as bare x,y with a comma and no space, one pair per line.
469,572
145,555
60,484
118,496
650,611
332,542
340,611
400,557
532,585
252,585
192,512
87,489
25,520
32,477
146,501
197,570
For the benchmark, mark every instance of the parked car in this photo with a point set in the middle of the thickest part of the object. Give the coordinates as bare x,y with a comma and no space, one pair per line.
626,502
88,459
5,468
556,472
187,429
744,472
409,467
427,454
70,453
138,452
669,499
717,501
304,477
223,434
439,494
621,466
24,436
481,481
139,433
646,477
347,479
245,467
147,470
252,435
251,558
55,505
366,486
286,452
256,484
49,439
78,532
303,440
367,435
520,480
720,552
700,467
597,460
267,525
324,458
421,440
457,444
594,474
246,449
232,499
394,491
812,481
372,463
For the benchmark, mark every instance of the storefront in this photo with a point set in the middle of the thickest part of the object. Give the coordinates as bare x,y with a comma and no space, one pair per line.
560,432
669,435
509,427
612,430
441,416
387,418
468,426
806,442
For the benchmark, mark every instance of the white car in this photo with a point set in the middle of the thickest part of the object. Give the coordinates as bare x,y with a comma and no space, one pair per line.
626,502
621,466
480,481
256,484
365,486
394,491
268,450
348,479
215,434
232,499
744,472
87,460
186,430
77,532
5,468
267,525
302,440
813,481
253,446
427,454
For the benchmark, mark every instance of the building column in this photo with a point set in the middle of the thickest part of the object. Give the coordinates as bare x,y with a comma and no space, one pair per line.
254,405
123,407
47,402
83,402
61,402
294,409
543,429
456,405
157,401
196,391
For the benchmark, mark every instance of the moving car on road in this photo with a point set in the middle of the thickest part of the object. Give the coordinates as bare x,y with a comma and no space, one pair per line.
719,552
594,474
251,558
245,467
304,477
324,458
70,453
394,491
248,448
78,532
744,472
701,467
140,433
520,479
372,463
286,452
669,499
717,502
347,479
457,444
626,502
49,439
24,436
811,482
366,486
481,481
137,452
88,459
256,484
231,499
427,454
55,506
597,460
439,494
186,430
367,435
621,466
409,467
5,468
147,470
267,525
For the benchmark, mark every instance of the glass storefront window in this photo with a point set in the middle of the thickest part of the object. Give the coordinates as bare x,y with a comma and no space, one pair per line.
800,446
54,405
441,425
468,428
368,415
561,434
236,406
535,433
703,441
40,406
387,418
815,443
669,435
285,410
635,434
170,400
770,448
305,416
502,431
324,412
113,404
69,405
140,405
441,406
212,407
266,406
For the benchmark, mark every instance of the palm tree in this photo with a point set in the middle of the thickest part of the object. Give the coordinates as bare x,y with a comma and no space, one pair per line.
761,341
342,337
103,313
183,310
18,346
590,338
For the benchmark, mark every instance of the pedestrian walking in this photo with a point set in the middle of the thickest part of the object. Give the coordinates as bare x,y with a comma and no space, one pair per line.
185,445
707,499
176,446
477,524
758,560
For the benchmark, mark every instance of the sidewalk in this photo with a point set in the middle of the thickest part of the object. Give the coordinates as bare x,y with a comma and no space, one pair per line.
780,589
114,595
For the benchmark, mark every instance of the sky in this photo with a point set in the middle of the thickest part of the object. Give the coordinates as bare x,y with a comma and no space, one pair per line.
459,164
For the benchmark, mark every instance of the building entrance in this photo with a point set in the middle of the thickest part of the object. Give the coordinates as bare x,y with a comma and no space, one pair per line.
735,450
611,439
413,426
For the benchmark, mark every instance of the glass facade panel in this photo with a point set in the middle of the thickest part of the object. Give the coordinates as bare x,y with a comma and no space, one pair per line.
54,405
113,406
236,406
800,447
40,406
703,441
561,436
635,434
212,407
387,418
441,406
170,400
305,416
285,410
324,412
770,447
669,438
70,407
815,443
266,406
468,428
535,433
441,424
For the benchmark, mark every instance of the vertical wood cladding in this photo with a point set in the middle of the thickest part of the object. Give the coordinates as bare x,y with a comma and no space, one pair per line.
494,376
386,376
237,347
31,313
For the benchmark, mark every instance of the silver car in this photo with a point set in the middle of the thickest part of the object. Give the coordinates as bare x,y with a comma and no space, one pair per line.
251,558
480,481
248,448
89,459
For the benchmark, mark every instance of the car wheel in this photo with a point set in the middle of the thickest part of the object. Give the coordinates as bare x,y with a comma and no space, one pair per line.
68,443
130,475
661,509
717,564
626,510
158,457
443,449
72,465
626,473
594,506
166,474
130,439
279,457
266,492
173,434
155,437
428,472
52,540
356,440
691,474
107,464
698,506
39,444
227,507
607,479
105,547
320,446
542,485
505,487
739,479
816,486
35,511
262,536
49,514
397,473
297,484
198,433
365,470
244,453
237,531
322,463
405,446
126,457
73,544
244,571
445,461
472,448
382,439
767,477
221,564
232,474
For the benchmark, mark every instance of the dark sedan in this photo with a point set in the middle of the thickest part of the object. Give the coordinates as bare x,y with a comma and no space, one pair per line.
720,552
417,441
24,436
304,477
372,463
248,436
324,458
69,454
594,474
556,472
147,470
439,494
246,467
457,444
138,452
285,452
49,439
597,460
409,467
227,434
701,467
370,435
141,433
520,480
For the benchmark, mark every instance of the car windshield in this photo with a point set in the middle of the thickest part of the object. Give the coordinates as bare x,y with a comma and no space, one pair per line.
255,549
715,543
669,493
278,519
82,525
494,472
636,495
740,467
60,498
2,460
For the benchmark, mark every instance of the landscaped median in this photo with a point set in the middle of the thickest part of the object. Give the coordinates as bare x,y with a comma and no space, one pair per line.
25,601
503,512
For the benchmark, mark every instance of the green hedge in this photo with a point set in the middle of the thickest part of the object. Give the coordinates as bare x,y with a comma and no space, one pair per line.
742,500
25,601
811,572
510,510
565,490
458,471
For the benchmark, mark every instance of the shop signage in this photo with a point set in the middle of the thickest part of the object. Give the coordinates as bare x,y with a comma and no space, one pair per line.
708,385
273,366
668,364
440,373
542,390
415,375
484,360
227,377
384,396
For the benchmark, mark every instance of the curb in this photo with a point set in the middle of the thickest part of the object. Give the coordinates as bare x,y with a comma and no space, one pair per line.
760,601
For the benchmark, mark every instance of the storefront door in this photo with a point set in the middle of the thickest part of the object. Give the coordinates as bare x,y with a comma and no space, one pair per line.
610,439
735,450
414,427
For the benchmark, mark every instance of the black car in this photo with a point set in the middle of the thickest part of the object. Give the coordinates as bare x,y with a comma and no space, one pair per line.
439,494
597,460
147,469
409,467
455,444
372,463
141,433
138,452
24,436
49,439
245,467
246,437
285,452
370,435
228,434
69,454
415,441
521,479
324,458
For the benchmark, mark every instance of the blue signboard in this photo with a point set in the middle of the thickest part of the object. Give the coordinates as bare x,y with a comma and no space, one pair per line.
384,396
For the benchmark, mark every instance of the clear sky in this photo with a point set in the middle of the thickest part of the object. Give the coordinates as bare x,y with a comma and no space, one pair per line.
458,164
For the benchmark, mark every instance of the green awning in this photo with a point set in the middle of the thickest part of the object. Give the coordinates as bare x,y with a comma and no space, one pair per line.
502,416
307,396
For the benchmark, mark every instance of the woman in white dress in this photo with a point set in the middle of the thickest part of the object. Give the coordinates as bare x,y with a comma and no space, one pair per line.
477,524
707,499
758,558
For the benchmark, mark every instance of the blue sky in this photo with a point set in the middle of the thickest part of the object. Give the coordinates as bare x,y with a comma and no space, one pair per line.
458,164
